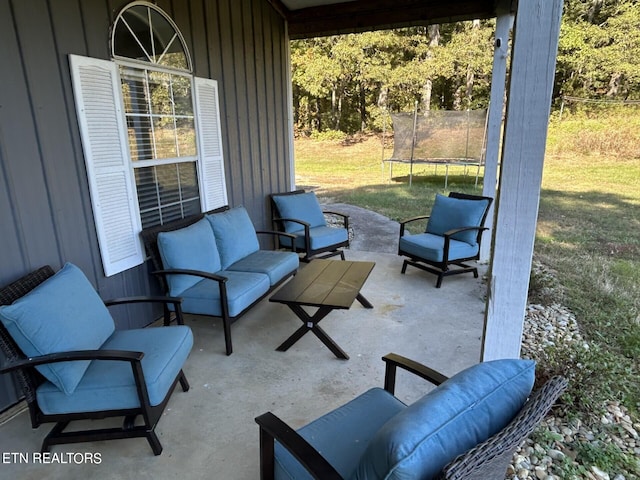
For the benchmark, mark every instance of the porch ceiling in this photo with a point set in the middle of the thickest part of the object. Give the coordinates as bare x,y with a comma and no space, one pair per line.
312,18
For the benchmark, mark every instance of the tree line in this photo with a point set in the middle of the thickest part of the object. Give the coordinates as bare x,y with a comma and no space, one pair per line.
345,82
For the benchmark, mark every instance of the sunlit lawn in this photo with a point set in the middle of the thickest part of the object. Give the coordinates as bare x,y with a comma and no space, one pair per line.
588,228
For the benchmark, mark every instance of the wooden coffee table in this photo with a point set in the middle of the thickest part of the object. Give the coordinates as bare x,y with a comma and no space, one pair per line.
328,285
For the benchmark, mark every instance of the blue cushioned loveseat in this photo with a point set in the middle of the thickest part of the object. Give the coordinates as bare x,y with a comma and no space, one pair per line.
72,364
213,261
466,428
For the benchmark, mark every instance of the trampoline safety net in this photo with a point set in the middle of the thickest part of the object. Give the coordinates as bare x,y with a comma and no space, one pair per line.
441,136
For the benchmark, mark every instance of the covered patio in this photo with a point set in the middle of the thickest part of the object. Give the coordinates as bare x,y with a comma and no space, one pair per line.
209,431
48,218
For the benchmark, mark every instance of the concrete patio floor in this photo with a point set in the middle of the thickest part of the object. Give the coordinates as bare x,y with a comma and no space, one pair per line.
209,432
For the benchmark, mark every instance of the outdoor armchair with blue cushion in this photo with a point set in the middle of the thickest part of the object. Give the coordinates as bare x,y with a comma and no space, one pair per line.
299,213
452,236
72,364
466,428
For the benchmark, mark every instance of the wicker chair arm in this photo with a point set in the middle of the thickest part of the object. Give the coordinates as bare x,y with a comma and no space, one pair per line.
393,361
490,458
196,273
271,427
122,355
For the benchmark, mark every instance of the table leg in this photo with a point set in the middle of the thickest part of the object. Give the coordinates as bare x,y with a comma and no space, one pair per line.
363,301
310,323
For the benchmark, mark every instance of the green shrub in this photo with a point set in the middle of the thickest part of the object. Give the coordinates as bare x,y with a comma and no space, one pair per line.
333,135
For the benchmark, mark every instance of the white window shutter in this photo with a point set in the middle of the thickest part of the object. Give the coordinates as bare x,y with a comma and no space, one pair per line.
98,99
213,188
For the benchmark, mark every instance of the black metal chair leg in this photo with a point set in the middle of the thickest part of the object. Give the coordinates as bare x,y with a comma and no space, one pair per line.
50,438
226,324
184,383
154,442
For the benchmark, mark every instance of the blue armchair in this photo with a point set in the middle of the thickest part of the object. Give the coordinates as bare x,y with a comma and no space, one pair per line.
451,238
72,364
466,428
298,213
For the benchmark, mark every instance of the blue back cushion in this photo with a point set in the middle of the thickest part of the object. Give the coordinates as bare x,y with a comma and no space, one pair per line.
62,314
465,410
302,206
449,213
235,235
192,248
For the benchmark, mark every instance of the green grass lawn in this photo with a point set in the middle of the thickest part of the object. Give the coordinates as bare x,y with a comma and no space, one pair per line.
588,231
588,236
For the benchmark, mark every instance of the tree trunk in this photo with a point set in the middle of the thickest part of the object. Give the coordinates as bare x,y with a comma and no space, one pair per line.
471,76
363,108
334,107
614,84
433,34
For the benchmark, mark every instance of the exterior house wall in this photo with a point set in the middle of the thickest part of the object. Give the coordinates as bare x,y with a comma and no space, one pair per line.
45,208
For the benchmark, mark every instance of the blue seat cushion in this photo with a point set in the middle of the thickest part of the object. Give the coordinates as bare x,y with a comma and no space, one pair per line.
110,385
321,237
342,435
465,410
431,247
243,288
235,235
449,213
62,314
276,264
191,248
301,206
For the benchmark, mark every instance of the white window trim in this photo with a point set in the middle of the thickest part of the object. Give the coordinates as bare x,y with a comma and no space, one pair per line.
116,212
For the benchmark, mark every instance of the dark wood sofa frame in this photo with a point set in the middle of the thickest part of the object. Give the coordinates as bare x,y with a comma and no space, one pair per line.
150,240
30,379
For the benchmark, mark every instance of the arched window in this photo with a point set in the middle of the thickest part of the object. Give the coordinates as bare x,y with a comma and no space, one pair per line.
145,33
150,133
155,72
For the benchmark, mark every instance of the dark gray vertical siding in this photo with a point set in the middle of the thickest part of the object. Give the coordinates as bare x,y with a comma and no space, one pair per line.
45,207
242,37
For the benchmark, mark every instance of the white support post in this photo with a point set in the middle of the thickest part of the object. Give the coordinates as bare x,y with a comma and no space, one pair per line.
533,61
504,24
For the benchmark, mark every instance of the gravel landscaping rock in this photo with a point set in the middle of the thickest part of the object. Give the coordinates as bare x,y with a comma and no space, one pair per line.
548,326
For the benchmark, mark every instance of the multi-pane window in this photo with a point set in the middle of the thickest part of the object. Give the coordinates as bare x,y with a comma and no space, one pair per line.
150,133
158,104
162,141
